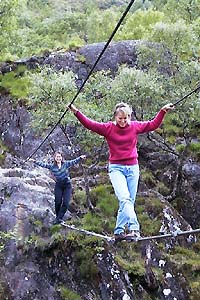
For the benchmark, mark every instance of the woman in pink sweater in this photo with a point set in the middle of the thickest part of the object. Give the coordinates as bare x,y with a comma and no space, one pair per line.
121,136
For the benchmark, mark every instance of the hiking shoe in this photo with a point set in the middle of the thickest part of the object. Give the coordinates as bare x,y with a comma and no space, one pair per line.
119,237
134,234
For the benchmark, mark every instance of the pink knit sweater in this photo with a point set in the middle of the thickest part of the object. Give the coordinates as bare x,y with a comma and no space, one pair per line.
122,141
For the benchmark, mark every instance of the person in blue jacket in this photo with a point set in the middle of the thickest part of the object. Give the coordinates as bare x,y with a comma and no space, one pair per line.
63,187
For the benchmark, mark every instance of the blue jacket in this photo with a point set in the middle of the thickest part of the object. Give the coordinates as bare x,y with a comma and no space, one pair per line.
60,173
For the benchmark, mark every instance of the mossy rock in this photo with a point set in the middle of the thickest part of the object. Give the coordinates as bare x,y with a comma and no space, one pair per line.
68,294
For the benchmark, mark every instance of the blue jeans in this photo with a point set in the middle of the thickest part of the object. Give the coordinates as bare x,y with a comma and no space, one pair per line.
124,179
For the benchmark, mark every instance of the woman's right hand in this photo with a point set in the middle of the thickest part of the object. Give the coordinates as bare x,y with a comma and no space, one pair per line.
83,156
73,108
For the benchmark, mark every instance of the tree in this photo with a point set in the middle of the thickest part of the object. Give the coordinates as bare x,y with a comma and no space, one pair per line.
188,10
139,25
178,38
50,92
8,24
100,25
142,90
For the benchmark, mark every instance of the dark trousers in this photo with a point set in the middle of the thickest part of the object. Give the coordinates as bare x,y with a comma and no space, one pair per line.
63,190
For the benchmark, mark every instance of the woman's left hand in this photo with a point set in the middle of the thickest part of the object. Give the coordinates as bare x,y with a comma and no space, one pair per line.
168,107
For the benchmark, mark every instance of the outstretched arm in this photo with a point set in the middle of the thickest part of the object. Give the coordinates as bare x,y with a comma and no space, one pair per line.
41,164
152,125
72,162
98,127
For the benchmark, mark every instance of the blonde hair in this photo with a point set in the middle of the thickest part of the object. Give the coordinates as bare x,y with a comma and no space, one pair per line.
123,107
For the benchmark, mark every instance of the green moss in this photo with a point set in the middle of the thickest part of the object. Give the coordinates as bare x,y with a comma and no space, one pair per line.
180,148
37,242
3,151
179,203
162,189
140,200
84,258
195,150
67,294
4,237
98,222
140,209
75,43
195,289
187,260
136,267
55,229
149,226
148,178
196,247
80,197
81,58
106,205
16,82
38,223
158,273
149,211
154,206
58,237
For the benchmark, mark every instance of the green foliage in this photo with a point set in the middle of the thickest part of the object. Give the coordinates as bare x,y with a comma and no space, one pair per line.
86,263
35,241
153,206
139,25
186,9
178,37
149,226
136,268
100,25
4,237
31,27
148,178
139,89
195,149
188,260
154,57
163,189
67,294
3,151
80,197
50,93
195,289
8,23
92,221
106,207
180,148
16,82
104,198
149,211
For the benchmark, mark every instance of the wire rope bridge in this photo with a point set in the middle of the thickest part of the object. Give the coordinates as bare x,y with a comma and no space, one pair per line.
111,240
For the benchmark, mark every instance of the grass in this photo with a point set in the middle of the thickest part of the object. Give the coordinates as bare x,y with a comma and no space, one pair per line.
68,294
